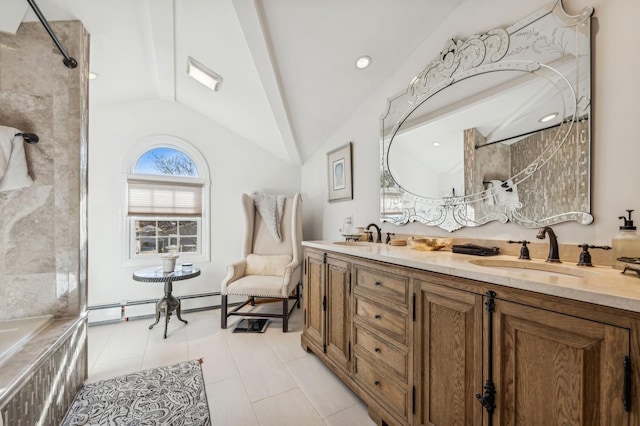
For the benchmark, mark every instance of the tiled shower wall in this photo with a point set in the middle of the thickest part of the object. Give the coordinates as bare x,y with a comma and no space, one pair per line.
43,227
568,171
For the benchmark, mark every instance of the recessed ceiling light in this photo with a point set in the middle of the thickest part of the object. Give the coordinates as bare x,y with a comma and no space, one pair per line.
436,144
203,75
362,62
93,75
548,117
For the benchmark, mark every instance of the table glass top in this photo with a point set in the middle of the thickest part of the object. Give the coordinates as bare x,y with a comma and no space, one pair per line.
156,274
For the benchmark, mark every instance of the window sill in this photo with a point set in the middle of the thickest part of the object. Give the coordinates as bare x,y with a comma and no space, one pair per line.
154,259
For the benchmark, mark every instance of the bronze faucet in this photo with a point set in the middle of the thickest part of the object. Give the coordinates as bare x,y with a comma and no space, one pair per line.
378,237
554,255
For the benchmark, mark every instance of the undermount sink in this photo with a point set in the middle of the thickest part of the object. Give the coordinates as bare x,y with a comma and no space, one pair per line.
533,267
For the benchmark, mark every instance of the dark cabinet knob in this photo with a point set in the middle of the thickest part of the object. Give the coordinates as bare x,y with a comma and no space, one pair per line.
377,350
378,316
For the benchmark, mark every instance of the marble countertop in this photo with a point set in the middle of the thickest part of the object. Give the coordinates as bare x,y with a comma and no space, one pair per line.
601,285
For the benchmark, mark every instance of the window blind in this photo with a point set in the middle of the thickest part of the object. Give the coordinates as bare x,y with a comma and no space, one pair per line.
166,198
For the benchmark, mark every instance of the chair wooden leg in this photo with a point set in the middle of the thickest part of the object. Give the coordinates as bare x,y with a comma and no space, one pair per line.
223,311
285,314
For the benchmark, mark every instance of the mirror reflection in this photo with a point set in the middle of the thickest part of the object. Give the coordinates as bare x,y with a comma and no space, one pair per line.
496,128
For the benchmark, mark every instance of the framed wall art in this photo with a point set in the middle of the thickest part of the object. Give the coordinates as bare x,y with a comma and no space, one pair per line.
340,175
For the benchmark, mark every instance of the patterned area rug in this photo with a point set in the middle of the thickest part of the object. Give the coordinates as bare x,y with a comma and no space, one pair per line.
172,395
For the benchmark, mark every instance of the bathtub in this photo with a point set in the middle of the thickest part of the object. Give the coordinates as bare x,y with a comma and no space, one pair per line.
44,364
15,333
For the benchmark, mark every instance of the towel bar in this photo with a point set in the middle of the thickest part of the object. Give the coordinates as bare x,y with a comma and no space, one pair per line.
29,137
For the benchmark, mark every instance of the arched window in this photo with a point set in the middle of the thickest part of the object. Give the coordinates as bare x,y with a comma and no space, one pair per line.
166,200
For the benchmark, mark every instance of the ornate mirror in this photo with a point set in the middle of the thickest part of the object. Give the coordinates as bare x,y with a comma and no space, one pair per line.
497,127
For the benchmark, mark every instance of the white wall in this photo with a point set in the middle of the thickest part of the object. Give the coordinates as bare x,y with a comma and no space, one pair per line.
615,138
235,166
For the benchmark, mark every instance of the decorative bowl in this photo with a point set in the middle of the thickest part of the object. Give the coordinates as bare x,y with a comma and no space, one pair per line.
428,244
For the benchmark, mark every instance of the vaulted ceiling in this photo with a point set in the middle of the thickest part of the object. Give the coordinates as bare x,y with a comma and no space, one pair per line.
289,72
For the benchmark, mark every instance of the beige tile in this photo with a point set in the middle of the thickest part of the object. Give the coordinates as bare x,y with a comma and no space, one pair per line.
285,384
229,403
327,393
176,331
202,326
287,345
165,356
129,341
97,338
110,369
354,415
176,337
260,368
290,408
218,360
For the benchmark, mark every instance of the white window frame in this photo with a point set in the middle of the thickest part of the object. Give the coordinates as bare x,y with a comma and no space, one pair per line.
132,241
129,257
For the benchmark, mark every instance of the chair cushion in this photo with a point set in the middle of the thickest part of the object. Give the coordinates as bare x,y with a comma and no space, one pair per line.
257,285
261,264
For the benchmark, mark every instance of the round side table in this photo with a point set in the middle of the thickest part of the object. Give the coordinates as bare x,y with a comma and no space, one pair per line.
169,302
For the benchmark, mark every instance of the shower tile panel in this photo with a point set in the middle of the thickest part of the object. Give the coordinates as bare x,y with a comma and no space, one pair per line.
41,248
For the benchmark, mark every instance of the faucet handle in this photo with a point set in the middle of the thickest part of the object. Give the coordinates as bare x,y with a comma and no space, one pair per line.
585,256
388,240
369,236
524,250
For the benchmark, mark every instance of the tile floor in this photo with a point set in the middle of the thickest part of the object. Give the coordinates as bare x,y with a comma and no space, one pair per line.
251,379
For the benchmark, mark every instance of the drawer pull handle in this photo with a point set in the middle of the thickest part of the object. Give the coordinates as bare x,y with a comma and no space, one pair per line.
377,383
378,283
378,316
377,350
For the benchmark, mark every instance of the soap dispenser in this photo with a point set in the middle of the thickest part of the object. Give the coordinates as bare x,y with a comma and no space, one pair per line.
625,243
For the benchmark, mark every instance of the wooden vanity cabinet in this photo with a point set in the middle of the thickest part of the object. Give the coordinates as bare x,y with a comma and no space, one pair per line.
554,361
551,368
327,302
448,354
382,325
419,347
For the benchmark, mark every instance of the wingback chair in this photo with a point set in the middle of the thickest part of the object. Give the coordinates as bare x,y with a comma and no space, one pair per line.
269,268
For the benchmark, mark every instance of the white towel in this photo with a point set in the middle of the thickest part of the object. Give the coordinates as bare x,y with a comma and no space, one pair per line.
499,194
492,187
504,196
271,208
13,163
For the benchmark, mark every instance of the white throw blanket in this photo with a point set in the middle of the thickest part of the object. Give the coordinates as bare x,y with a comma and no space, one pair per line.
13,163
271,208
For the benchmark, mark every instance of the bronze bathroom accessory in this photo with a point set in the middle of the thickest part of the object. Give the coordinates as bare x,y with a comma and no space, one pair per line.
68,61
554,255
524,250
585,256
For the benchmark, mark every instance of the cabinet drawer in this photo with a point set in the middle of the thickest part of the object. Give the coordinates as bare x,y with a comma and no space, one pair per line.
383,387
383,285
387,355
383,318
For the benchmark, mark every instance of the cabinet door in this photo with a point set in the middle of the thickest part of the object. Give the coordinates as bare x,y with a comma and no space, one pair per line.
448,354
555,369
338,319
313,299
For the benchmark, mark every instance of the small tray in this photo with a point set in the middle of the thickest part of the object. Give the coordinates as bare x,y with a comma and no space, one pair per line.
475,250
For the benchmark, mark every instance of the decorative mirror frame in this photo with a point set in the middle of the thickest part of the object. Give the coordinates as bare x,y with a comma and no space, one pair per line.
481,54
